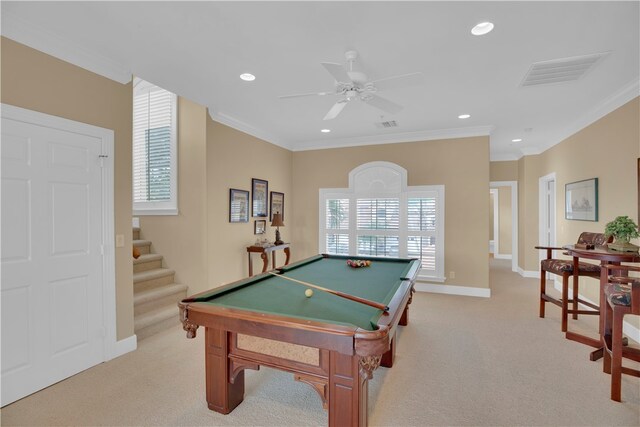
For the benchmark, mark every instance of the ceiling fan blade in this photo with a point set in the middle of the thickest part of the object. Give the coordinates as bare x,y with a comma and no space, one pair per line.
383,104
395,82
307,94
337,71
335,110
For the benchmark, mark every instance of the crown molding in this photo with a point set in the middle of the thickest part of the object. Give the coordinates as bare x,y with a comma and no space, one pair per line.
234,123
26,33
394,138
503,157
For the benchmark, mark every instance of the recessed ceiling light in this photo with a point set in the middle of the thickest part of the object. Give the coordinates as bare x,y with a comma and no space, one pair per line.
464,116
247,77
482,28
516,140
325,130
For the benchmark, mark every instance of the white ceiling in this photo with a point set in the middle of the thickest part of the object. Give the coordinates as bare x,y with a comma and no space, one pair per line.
198,50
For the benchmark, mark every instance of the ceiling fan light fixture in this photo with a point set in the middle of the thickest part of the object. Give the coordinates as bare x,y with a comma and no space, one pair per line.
247,77
482,28
464,116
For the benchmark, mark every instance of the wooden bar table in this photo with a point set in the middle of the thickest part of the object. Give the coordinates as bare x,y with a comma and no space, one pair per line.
264,254
605,256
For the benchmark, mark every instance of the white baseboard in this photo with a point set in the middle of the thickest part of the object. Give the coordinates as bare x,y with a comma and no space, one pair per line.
502,256
627,328
453,290
124,346
529,274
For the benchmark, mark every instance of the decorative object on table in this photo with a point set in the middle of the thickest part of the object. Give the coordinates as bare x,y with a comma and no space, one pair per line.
581,200
623,229
277,222
238,205
259,226
259,193
358,263
277,204
136,253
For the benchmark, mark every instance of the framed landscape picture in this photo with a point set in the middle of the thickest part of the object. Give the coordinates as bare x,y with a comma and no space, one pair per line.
581,200
238,205
259,226
277,204
259,193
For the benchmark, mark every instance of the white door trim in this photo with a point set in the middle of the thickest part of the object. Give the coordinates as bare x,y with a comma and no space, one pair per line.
107,137
495,239
514,219
543,207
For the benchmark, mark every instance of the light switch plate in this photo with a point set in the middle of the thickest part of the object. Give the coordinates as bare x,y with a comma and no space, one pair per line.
119,240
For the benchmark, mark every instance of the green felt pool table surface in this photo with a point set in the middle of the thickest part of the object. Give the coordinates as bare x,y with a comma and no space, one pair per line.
266,293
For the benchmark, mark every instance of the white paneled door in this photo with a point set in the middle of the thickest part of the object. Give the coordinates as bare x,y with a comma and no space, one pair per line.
53,320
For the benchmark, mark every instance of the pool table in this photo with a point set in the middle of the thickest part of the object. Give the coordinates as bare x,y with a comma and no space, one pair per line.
331,343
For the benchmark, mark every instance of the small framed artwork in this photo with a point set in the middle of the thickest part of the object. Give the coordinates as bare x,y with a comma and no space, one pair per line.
581,200
238,205
259,193
259,226
277,204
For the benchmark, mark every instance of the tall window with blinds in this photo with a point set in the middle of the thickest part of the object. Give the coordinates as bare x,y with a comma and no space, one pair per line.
404,223
154,150
337,226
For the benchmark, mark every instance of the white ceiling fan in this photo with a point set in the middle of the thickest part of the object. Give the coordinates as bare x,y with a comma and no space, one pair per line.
355,85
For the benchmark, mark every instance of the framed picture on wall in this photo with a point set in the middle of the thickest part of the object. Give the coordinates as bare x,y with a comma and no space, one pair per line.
581,200
259,193
238,205
277,204
259,226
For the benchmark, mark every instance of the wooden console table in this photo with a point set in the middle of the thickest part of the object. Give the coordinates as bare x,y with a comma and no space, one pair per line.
604,255
264,254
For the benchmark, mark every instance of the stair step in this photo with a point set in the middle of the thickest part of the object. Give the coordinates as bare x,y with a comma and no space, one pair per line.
147,262
143,245
152,278
156,298
136,233
155,321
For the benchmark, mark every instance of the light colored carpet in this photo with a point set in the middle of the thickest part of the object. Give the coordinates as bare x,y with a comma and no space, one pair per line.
461,361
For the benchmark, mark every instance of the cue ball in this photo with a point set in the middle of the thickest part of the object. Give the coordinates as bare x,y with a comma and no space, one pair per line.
308,293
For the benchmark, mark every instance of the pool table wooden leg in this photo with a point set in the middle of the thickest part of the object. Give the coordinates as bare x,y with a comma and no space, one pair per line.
390,355
222,396
348,385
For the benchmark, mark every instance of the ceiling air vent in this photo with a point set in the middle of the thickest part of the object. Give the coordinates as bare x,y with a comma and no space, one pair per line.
561,70
388,124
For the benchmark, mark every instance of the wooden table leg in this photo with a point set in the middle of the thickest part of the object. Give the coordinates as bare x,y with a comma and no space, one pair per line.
288,254
250,264
265,261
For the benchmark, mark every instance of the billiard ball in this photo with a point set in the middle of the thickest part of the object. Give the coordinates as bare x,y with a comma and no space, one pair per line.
308,293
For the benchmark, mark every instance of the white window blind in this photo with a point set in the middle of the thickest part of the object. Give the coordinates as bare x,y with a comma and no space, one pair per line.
154,150
337,225
378,214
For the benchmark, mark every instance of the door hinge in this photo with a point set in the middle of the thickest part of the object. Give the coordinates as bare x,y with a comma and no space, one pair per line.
102,157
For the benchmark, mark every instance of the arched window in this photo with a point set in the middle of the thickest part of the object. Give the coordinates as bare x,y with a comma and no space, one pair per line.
379,215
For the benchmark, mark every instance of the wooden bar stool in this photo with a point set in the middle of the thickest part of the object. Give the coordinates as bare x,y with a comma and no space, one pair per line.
564,268
623,297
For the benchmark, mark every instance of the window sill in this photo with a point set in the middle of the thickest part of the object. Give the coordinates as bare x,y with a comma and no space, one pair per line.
143,212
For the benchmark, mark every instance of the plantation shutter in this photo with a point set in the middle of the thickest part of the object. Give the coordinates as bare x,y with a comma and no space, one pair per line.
154,150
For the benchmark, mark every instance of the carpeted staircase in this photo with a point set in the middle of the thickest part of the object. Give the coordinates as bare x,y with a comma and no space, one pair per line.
155,294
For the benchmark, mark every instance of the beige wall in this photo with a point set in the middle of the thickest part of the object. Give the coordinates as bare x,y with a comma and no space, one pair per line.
181,239
503,171
606,149
462,165
233,158
39,82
